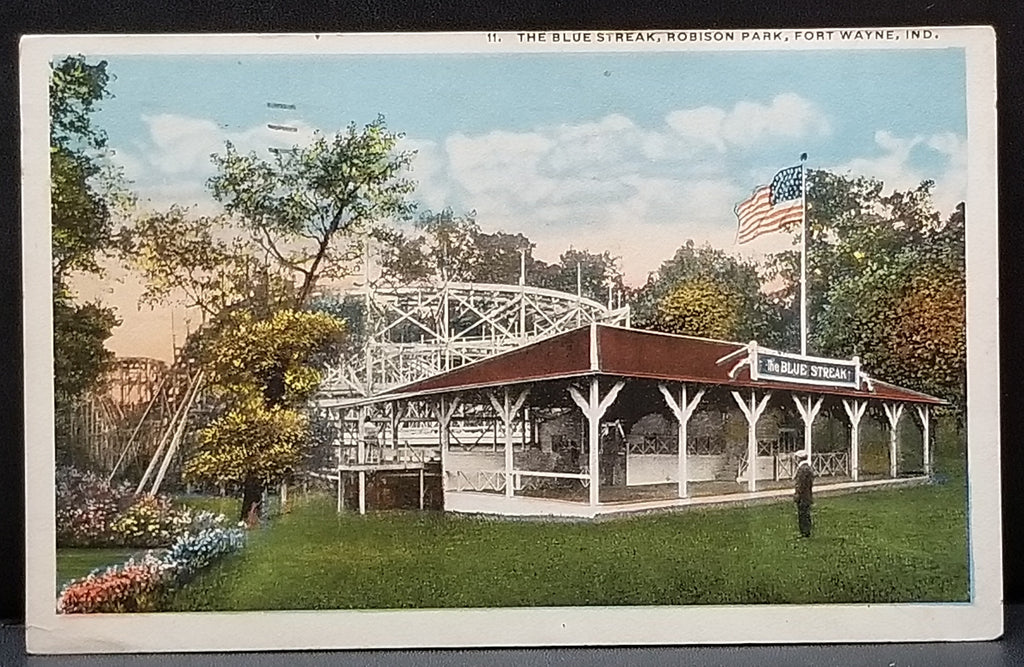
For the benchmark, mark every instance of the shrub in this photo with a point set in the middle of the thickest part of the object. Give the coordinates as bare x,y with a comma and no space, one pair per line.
87,507
135,586
150,522
140,586
193,552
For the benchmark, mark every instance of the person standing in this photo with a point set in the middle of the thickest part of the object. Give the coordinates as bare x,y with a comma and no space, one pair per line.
804,497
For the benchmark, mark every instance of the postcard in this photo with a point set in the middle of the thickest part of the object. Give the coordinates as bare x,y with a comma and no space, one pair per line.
553,338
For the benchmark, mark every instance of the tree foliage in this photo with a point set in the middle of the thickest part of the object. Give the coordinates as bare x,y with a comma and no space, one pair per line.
202,262
700,306
445,247
79,355
261,371
279,358
305,207
593,273
251,441
84,193
728,300
886,281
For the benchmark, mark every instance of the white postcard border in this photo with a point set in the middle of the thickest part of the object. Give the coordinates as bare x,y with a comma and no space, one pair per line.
48,632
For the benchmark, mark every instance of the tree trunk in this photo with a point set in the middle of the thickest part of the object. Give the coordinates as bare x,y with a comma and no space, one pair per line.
252,499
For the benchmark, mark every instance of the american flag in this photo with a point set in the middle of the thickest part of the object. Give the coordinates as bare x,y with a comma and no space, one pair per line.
772,207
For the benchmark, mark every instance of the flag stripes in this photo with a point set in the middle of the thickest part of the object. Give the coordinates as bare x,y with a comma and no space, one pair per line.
771,208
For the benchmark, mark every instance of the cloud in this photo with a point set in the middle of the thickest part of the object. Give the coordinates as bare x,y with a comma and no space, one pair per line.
787,116
894,165
172,162
605,183
640,192
429,171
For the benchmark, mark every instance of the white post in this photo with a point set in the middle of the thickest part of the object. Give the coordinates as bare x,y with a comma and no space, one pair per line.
343,415
507,418
421,488
444,419
593,409
752,412
339,489
894,412
683,410
507,412
855,410
361,437
926,443
361,457
362,492
803,258
808,412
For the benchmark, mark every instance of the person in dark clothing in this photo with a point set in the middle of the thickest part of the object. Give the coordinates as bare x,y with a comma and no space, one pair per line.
804,497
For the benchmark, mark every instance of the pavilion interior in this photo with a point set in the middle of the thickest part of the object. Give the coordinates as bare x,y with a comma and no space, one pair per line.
638,441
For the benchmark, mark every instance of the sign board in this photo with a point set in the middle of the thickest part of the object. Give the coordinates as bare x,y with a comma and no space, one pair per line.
807,370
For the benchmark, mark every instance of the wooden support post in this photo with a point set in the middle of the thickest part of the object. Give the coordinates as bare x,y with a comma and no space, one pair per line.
894,411
362,492
923,411
340,492
808,411
342,415
752,412
855,410
443,412
395,416
683,410
421,488
361,435
593,409
507,411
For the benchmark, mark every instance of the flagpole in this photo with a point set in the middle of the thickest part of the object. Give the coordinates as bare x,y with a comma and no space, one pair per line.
803,257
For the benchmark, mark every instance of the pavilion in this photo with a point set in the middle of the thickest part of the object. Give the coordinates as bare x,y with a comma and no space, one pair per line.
557,427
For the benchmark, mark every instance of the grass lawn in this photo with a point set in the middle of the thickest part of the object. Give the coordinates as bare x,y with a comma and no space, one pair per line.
76,563
880,546
226,505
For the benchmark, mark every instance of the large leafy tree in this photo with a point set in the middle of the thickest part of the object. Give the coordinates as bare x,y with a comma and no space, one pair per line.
203,263
291,220
448,247
262,370
85,193
728,301
307,207
593,273
895,288
700,306
854,229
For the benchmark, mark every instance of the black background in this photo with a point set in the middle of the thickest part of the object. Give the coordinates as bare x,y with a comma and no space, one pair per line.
146,16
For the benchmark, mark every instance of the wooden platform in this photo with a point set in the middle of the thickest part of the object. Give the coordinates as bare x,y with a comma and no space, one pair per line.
497,504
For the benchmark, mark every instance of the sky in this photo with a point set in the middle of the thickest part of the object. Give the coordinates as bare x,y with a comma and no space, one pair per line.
634,152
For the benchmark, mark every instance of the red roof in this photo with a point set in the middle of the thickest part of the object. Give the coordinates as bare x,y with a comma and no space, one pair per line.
610,350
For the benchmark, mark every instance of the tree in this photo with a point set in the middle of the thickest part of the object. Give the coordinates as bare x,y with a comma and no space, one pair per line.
85,191
449,247
443,246
885,281
596,273
700,306
263,371
853,228
204,263
708,275
306,206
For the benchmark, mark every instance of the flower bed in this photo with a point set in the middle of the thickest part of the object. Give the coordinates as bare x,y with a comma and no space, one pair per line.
94,513
143,585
